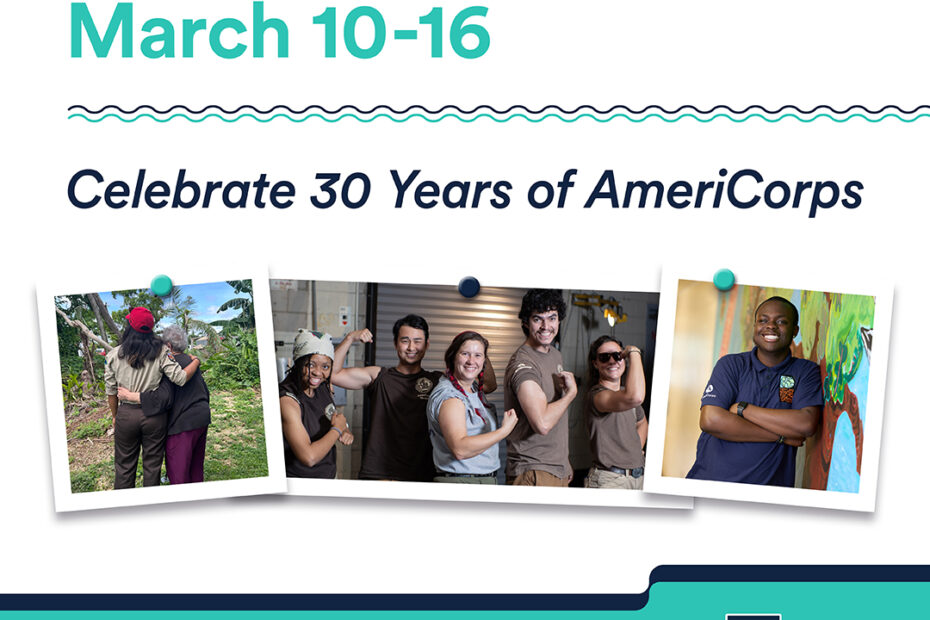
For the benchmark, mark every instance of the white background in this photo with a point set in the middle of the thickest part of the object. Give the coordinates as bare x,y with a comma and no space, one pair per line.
600,53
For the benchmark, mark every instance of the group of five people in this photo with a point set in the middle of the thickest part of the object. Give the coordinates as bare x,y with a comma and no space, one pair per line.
439,426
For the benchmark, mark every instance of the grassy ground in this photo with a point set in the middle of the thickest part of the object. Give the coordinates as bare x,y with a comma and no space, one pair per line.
235,441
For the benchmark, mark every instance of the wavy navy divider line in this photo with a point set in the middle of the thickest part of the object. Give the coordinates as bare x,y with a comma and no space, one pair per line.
467,602
494,110
496,119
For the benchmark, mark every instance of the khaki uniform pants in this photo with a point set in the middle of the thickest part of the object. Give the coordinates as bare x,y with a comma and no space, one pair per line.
538,478
599,478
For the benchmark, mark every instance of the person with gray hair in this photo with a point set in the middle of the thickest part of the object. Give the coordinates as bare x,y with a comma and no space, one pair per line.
188,409
176,338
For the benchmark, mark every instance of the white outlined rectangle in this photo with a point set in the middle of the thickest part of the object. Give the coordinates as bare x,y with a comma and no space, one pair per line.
864,499
124,278
464,492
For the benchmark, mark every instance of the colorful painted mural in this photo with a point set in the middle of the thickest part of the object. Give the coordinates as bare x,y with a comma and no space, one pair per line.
836,333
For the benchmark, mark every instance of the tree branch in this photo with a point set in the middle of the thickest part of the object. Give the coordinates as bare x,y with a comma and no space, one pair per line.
85,330
101,307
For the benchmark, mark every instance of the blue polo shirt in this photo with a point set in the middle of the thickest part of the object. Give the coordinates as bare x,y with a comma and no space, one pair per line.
793,384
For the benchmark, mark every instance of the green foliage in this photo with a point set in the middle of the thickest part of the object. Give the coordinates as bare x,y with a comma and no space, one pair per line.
74,390
138,297
246,307
69,341
235,364
97,477
72,387
235,444
95,428
181,309
70,352
236,439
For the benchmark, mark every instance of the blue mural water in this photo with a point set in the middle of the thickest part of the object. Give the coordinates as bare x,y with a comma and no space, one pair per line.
843,476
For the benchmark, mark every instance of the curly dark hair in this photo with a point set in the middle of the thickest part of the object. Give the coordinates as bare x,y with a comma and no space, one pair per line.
138,348
411,320
540,300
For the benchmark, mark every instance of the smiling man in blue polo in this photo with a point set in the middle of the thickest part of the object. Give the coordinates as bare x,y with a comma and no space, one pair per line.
759,406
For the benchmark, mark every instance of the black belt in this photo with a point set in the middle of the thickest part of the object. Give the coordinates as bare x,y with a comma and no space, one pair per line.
632,473
446,474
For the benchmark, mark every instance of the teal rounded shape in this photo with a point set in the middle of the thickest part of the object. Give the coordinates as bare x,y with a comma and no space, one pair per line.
724,280
161,285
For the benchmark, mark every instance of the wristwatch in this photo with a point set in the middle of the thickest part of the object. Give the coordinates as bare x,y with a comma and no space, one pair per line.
740,407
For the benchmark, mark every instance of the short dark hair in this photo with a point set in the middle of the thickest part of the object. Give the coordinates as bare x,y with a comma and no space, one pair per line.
540,300
593,374
457,343
794,309
411,320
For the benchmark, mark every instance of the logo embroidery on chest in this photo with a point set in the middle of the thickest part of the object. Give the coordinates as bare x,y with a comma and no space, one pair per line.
786,385
423,386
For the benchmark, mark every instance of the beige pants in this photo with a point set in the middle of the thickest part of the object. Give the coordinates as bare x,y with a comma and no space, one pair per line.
598,478
538,478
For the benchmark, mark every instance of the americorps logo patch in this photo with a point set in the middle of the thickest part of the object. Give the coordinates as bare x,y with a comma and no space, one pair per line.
786,385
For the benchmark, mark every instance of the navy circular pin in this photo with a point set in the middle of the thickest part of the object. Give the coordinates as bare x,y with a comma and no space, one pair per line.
724,280
469,287
161,285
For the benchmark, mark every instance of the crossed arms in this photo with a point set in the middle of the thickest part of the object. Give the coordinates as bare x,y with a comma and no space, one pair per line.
760,424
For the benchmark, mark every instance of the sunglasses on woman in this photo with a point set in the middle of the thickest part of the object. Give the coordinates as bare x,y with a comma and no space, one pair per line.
606,357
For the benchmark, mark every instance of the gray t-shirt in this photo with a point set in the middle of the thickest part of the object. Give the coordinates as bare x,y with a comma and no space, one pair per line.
477,421
613,436
527,449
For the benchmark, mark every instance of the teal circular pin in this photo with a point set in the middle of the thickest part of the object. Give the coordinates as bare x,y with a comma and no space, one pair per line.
161,285
724,280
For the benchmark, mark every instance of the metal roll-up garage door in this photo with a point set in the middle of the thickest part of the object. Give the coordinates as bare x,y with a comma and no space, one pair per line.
492,313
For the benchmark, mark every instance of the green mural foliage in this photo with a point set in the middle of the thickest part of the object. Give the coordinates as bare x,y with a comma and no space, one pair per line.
844,346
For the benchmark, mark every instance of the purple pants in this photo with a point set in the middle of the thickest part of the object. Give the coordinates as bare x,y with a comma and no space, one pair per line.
184,454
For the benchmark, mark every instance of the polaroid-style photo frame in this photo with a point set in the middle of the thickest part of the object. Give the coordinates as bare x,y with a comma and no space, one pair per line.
338,308
843,332
224,321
